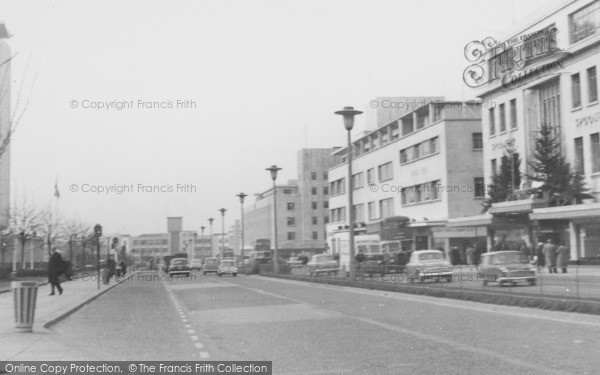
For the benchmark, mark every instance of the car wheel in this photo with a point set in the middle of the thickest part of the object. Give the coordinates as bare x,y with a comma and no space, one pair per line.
235,274
532,282
449,279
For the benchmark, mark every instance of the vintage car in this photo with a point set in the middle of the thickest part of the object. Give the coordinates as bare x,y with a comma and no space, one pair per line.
506,267
428,265
294,262
179,266
322,264
196,264
227,267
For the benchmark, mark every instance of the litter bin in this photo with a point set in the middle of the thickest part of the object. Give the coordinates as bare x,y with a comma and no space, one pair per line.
25,296
105,272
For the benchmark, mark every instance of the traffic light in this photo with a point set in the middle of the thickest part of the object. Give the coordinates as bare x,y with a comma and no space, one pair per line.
98,230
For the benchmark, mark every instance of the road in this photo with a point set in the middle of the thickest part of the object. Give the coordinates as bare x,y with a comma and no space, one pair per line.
316,329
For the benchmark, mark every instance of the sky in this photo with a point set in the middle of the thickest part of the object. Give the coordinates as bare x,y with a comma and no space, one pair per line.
261,80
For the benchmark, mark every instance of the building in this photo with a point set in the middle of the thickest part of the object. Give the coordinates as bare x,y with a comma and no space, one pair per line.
302,206
544,71
414,174
148,247
5,123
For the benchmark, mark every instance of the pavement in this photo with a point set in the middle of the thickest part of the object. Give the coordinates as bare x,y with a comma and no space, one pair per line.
41,343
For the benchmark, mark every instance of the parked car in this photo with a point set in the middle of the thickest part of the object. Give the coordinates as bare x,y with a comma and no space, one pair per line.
428,265
294,262
196,264
510,267
322,263
179,266
210,265
227,267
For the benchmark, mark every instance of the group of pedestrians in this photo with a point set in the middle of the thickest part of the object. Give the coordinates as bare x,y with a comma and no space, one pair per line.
553,256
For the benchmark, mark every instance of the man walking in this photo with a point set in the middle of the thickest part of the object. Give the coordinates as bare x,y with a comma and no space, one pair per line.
55,268
549,251
562,257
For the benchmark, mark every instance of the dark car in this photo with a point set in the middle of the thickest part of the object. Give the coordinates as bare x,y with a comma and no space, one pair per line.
179,266
506,267
211,265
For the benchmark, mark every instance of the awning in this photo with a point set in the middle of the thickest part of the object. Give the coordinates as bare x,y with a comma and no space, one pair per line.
518,206
572,212
471,221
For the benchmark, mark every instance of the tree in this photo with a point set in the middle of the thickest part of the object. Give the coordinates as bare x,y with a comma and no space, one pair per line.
71,230
24,221
561,184
508,179
51,227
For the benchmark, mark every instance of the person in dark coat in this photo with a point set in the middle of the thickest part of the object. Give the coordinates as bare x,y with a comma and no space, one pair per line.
562,257
112,267
525,250
541,260
549,251
55,268
123,268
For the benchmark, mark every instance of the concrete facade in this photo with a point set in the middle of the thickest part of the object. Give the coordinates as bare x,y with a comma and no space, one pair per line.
5,122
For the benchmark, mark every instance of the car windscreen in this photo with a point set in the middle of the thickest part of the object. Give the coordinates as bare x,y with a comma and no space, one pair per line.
431,256
178,262
227,263
509,258
210,261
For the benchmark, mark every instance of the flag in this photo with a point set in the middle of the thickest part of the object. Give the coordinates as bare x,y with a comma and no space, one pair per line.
56,192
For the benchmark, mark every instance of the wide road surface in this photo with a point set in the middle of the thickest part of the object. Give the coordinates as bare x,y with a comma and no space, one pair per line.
316,329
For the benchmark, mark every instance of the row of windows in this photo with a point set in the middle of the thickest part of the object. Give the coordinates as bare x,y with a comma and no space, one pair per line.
314,191
150,242
291,221
313,176
291,206
512,120
585,22
291,236
338,186
592,87
595,153
419,150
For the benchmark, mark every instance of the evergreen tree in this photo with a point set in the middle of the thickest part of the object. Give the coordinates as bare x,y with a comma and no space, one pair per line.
561,184
508,179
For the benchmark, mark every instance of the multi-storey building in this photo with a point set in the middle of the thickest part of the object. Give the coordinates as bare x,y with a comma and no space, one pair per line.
149,246
544,71
302,206
414,173
5,123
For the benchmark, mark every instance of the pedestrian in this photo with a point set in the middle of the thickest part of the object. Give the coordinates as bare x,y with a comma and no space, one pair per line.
454,256
470,252
525,250
55,269
539,253
549,251
360,257
562,256
123,268
112,266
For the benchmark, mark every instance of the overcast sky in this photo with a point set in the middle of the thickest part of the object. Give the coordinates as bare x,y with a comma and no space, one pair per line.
266,77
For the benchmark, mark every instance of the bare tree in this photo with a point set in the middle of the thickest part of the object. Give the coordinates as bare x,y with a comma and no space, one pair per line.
51,228
86,235
24,221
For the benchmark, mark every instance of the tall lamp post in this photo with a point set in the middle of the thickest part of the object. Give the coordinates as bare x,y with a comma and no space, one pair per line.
274,169
202,241
242,196
210,221
348,113
222,210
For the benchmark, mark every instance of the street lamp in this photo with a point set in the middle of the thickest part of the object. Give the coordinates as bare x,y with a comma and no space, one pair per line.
242,196
210,221
222,210
274,169
98,234
348,113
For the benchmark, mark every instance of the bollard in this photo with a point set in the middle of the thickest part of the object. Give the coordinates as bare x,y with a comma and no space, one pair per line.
25,295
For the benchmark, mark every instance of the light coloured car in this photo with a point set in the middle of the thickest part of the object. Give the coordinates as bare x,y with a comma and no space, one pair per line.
211,265
506,267
428,265
196,264
179,266
294,262
322,264
227,267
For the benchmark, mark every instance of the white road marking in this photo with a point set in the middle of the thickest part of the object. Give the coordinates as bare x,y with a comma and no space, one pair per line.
199,345
204,355
194,338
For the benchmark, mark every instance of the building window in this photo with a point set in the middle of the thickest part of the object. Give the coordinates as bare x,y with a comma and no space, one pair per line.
492,116
386,207
502,115
325,176
326,219
325,190
358,180
513,113
359,213
395,133
595,141
291,236
291,221
338,214
291,206
403,157
407,125
479,186
435,190
579,167
385,172
315,235
437,112
313,176
433,145
585,22
338,186
372,212
576,90
403,198
592,85
370,176
313,191
477,141
287,191
315,220
325,204
314,205
416,151
494,167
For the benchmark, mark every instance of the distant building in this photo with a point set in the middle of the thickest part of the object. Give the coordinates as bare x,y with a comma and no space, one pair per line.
149,246
302,206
